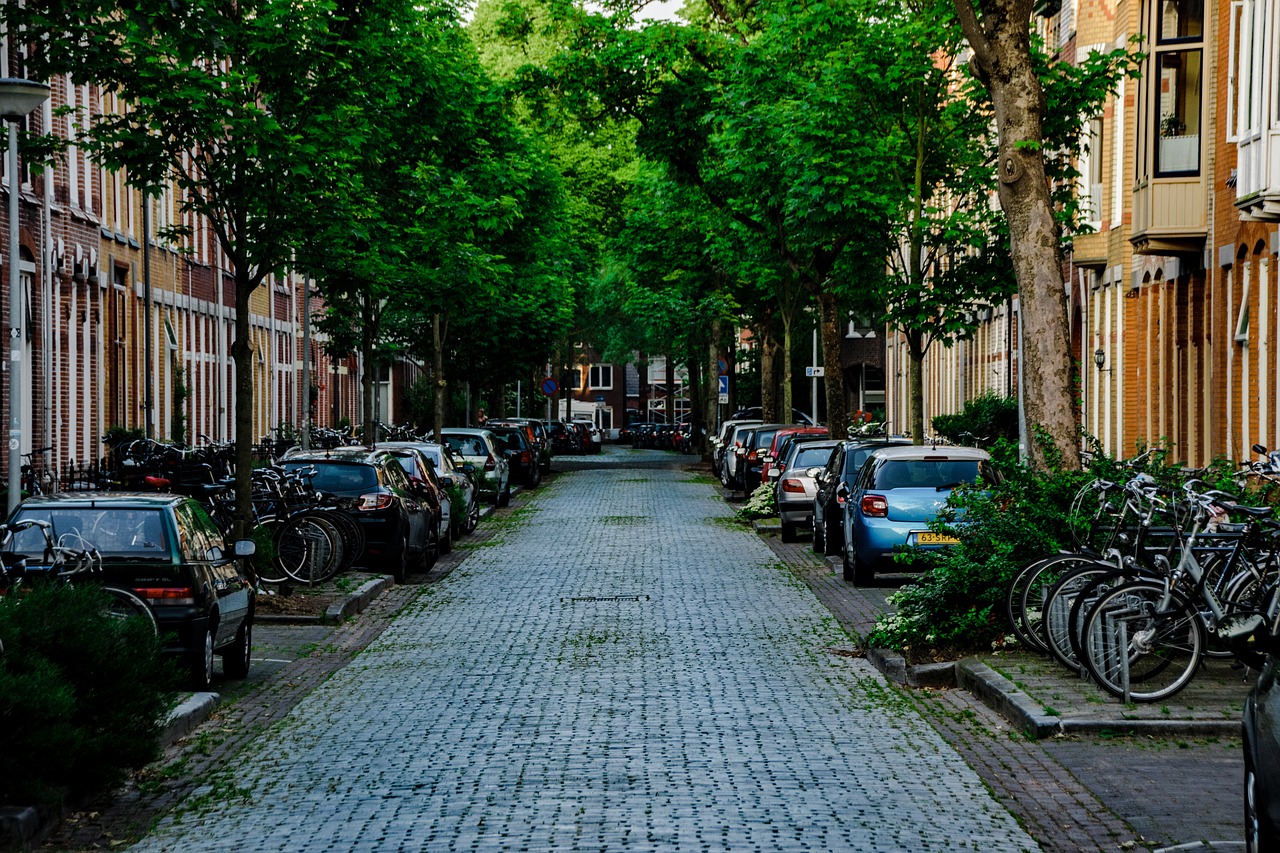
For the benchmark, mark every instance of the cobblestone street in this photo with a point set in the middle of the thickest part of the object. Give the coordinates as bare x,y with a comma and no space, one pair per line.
617,668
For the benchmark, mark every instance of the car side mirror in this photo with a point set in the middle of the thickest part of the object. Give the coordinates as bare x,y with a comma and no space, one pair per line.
469,468
446,480
813,473
775,473
842,490
245,548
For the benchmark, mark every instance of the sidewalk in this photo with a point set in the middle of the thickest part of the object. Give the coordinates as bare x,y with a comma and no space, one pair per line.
1034,693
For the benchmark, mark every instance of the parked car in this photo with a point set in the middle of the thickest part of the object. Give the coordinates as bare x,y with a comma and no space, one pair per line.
170,552
452,474
564,438
400,530
734,453
777,451
897,493
521,454
720,445
537,435
595,440
427,485
755,444
479,447
794,485
832,485
1261,730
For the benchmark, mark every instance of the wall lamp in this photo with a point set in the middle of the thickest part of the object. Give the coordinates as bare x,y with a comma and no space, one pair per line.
1099,359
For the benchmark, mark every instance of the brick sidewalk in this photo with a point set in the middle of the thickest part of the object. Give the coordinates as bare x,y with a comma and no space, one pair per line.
1074,793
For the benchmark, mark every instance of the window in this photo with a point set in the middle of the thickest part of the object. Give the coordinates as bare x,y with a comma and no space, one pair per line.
1181,20
1091,171
1242,318
600,377
1178,100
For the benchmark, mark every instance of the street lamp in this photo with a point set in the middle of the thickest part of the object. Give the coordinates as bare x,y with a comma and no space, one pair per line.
17,98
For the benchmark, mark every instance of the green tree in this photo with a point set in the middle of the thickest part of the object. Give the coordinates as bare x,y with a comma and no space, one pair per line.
246,107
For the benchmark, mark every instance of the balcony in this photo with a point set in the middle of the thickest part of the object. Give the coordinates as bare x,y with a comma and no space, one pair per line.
1169,215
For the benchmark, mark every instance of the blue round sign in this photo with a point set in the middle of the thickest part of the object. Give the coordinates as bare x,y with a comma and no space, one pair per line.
550,387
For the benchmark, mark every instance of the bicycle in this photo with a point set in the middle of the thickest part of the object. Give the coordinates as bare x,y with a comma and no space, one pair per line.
63,563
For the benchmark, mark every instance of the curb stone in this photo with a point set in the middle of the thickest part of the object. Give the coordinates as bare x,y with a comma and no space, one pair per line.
357,601
193,711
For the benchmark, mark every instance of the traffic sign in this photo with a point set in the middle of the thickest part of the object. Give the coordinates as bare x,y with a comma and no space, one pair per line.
723,365
550,387
724,387
815,372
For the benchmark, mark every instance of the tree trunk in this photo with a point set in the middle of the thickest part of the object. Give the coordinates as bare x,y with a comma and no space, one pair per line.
713,393
242,358
832,325
916,382
788,404
370,370
439,385
1002,61
671,387
768,375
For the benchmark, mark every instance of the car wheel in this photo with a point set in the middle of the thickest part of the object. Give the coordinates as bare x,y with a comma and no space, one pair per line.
504,499
473,517
535,478
830,542
789,532
863,574
1258,836
236,659
400,571
431,552
202,662
446,539
819,546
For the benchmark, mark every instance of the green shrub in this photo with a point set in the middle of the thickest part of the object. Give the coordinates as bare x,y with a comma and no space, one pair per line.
988,417
82,695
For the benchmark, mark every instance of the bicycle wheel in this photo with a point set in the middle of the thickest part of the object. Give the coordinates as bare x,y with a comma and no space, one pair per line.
124,604
1141,643
1057,623
304,550
265,565
1035,592
351,533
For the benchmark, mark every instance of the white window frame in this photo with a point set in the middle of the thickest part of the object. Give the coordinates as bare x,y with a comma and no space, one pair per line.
1242,315
596,376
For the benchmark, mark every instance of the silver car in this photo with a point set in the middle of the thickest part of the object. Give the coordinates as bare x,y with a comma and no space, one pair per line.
480,447
794,486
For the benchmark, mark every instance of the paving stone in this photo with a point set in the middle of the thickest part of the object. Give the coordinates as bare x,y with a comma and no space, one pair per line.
618,669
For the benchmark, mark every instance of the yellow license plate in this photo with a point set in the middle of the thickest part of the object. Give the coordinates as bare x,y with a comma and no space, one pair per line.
928,537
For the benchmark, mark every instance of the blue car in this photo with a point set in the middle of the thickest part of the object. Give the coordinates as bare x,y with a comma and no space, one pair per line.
897,492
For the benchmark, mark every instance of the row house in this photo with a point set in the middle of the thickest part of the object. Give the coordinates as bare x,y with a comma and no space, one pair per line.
1173,295
126,328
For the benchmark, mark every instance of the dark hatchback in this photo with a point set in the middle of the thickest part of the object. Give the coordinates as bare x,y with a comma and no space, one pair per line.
373,489
832,487
522,454
168,550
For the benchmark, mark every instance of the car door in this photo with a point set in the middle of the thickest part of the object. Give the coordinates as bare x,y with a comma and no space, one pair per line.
205,549
394,478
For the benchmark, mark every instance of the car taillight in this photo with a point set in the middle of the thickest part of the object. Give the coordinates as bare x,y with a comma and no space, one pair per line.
875,506
795,487
155,595
375,501
490,463
524,458
752,456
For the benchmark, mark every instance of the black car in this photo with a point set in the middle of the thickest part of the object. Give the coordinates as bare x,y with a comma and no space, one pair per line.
171,553
832,485
564,438
373,489
521,455
1261,728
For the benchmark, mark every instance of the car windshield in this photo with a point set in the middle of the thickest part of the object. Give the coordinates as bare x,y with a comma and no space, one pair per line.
929,473
337,477
114,531
811,457
466,445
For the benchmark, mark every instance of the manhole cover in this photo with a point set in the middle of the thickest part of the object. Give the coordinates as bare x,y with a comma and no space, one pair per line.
586,599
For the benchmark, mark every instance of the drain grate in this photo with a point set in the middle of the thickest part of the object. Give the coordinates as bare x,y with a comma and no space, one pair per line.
586,599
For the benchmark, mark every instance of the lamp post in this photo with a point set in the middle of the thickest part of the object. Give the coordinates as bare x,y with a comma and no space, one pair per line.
17,98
